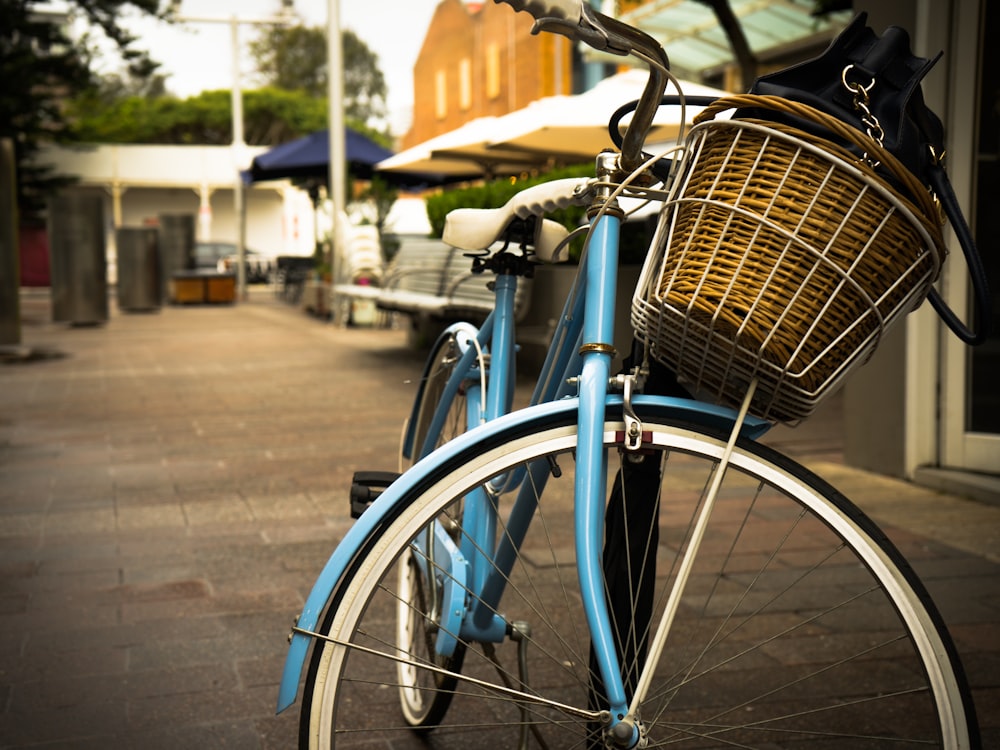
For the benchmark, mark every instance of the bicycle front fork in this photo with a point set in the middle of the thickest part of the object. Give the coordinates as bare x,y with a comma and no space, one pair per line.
597,350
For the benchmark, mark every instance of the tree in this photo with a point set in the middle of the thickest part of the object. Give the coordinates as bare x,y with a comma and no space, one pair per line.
270,116
114,86
364,84
295,59
291,58
380,196
41,67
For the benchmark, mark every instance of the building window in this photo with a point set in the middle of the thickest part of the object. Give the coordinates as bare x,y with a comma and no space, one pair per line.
441,94
493,70
465,84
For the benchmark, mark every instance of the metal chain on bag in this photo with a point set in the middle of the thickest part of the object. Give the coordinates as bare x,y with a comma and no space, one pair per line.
861,100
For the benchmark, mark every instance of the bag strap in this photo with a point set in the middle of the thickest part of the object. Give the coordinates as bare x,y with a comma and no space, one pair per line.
983,309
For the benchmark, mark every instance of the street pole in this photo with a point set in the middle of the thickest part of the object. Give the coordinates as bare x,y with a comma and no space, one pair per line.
238,145
239,149
337,168
10,274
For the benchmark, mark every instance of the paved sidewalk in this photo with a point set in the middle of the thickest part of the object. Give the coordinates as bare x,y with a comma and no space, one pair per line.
171,483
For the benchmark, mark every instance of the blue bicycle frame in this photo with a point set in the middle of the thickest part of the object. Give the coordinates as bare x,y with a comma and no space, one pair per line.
579,359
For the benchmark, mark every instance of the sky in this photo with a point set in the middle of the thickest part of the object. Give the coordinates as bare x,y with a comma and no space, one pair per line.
197,56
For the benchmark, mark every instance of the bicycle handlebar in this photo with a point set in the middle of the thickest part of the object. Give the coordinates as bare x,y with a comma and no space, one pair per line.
575,19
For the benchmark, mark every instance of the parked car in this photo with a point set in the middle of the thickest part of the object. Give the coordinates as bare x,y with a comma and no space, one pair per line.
222,256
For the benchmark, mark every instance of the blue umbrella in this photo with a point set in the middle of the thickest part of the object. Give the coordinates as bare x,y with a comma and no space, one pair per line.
310,157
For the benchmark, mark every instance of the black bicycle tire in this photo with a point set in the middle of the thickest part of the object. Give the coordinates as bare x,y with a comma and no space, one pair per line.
876,536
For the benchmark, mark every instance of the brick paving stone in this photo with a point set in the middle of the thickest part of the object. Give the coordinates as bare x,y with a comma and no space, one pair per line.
171,484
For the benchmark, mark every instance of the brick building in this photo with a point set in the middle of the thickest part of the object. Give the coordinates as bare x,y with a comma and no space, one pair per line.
480,59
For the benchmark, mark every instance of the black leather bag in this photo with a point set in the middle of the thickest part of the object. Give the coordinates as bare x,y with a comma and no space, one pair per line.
873,84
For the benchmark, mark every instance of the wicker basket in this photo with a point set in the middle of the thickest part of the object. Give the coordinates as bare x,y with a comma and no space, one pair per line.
783,257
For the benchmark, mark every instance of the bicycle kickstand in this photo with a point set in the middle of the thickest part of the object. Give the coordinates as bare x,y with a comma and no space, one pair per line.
520,633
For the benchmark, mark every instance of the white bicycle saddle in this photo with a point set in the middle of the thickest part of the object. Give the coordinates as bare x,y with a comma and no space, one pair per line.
478,228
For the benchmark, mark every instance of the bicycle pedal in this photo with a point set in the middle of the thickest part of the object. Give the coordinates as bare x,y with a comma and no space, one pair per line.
366,486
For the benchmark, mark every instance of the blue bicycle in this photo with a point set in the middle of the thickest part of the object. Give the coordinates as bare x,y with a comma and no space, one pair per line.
617,565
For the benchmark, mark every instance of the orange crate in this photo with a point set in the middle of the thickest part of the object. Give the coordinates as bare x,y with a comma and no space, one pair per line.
187,288
220,288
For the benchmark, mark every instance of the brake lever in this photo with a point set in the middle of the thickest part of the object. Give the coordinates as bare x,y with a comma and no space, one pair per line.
586,30
593,29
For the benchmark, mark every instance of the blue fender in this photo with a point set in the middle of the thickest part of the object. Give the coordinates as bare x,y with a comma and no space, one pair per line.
384,506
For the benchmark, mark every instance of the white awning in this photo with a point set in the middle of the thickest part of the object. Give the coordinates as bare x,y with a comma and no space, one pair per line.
553,130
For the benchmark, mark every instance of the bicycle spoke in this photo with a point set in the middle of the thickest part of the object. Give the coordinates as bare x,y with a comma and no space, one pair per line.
518,695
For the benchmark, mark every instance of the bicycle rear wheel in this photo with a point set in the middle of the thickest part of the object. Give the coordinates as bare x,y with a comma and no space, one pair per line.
425,696
433,390
801,625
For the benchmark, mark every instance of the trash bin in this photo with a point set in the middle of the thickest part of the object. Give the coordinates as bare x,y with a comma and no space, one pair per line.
176,248
138,269
78,260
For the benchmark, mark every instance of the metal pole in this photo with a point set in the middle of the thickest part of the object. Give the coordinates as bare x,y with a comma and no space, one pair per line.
239,145
10,257
238,149
337,168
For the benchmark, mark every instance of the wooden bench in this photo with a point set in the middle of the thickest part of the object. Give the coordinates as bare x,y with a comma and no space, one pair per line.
429,279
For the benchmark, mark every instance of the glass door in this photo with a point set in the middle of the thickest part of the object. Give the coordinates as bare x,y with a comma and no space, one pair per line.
971,376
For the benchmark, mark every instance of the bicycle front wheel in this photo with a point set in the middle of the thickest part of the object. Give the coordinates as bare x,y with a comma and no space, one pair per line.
801,625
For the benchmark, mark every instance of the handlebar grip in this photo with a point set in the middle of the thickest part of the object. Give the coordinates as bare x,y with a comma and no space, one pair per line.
569,10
